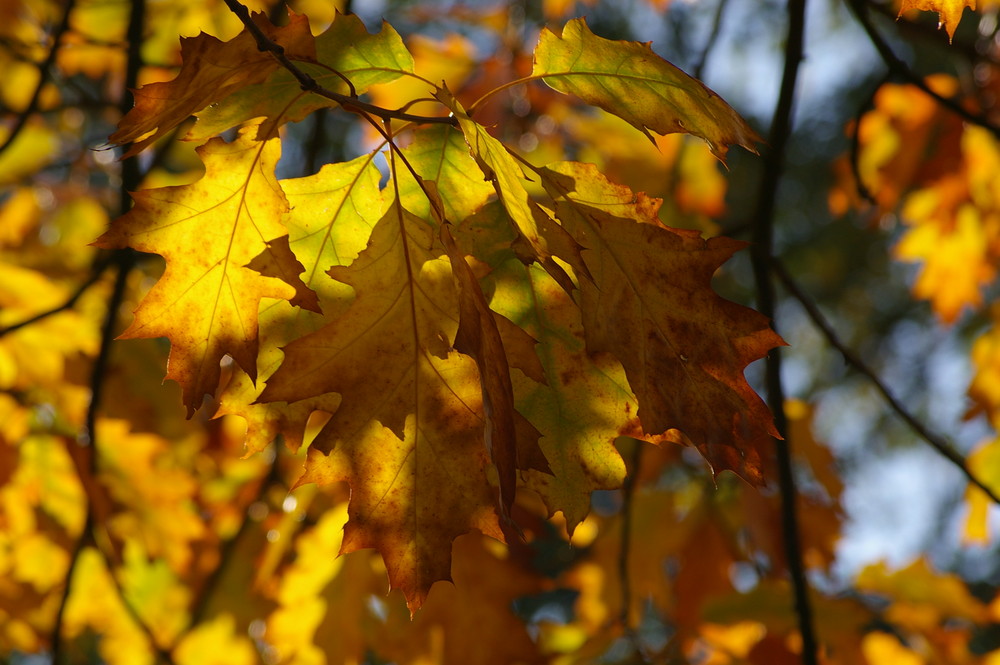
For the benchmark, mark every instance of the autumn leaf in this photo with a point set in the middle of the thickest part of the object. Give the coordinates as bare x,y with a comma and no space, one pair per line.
538,237
347,51
479,338
651,305
330,219
211,71
210,232
630,81
408,433
440,155
949,11
584,402
475,615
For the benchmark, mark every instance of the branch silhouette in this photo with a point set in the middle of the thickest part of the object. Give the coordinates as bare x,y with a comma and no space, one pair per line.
761,252
941,445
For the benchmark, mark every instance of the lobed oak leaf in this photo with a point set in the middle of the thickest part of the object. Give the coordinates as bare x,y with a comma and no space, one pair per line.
408,434
651,305
345,50
209,232
329,222
630,81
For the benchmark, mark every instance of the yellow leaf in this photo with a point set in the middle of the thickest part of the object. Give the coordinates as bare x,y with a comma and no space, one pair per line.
331,217
955,254
31,150
95,604
210,232
885,649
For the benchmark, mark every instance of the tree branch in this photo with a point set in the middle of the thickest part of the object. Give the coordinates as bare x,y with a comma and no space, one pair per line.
761,252
939,444
348,102
713,36
95,274
903,71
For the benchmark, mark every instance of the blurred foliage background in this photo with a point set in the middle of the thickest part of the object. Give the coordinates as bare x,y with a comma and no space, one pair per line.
168,545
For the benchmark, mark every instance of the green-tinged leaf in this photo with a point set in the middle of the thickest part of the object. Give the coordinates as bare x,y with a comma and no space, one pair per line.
440,155
630,81
330,220
408,435
538,237
651,305
346,47
585,402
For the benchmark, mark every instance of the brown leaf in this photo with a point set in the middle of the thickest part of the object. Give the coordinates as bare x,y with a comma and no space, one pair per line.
652,306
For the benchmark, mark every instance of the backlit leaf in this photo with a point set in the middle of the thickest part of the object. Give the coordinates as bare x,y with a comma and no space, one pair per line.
212,70
949,11
651,305
346,47
630,81
330,219
408,436
209,232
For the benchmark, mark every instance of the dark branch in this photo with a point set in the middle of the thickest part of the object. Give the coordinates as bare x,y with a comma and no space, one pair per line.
713,36
903,71
939,444
761,253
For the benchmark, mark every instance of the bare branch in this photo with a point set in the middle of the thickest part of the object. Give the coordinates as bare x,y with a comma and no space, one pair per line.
939,444
761,253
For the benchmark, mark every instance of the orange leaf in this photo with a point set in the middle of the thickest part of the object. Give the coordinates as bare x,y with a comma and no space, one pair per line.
949,11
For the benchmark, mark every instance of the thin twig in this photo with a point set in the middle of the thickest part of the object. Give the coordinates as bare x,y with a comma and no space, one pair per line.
96,272
939,444
44,71
713,36
761,252
309,84
902,70
124,260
